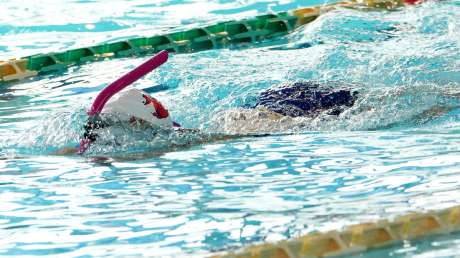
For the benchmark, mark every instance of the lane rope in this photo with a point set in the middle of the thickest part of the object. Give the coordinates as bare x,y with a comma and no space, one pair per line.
220,35
359,237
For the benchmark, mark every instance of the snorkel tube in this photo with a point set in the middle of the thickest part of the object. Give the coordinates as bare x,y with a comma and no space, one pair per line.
116,87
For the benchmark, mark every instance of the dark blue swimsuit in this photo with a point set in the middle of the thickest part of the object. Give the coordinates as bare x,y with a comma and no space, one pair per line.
306,99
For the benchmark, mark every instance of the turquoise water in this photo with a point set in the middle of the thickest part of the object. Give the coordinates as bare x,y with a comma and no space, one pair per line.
397,150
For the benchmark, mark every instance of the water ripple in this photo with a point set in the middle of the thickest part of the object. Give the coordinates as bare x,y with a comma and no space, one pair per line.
395,151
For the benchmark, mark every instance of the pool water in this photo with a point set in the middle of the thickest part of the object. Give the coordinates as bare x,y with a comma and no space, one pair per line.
396,150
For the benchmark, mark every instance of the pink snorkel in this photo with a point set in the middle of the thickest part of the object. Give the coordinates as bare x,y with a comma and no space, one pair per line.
120,84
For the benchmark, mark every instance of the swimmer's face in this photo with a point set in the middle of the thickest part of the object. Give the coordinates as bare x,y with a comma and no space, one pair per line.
91,126
95,125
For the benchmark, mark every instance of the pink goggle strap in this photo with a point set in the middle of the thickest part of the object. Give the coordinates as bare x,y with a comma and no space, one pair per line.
126,80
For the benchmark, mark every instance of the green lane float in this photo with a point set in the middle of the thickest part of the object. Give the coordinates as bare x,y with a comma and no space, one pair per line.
216,36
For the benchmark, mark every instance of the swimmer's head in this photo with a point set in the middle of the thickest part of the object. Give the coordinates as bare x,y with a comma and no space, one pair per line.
128,103
132,106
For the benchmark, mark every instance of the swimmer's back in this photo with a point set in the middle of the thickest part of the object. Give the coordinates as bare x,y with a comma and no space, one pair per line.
306,99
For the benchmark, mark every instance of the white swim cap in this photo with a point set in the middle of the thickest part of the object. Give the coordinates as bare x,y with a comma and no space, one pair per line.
135,104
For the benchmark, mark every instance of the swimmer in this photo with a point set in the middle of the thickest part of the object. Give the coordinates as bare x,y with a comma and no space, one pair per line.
138,108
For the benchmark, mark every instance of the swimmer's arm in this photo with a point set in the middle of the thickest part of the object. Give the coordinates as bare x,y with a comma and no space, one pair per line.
74,150
66,151
437,110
